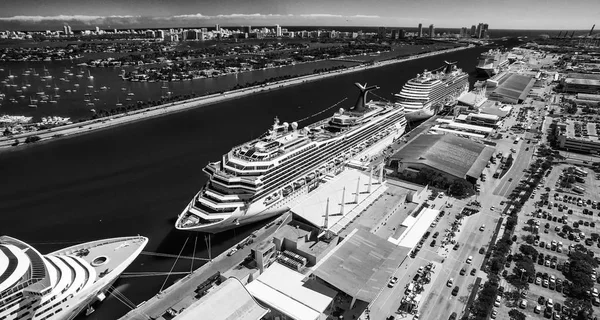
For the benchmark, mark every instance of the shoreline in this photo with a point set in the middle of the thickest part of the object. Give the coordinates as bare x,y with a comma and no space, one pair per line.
90,126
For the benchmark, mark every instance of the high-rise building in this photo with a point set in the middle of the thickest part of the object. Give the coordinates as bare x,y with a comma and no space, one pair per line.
160,34
479,30
402,34
97,29
463,32
69,29
420,32
246,29
217,27
278,31
473,29
431,31
382,32
484,32
65,30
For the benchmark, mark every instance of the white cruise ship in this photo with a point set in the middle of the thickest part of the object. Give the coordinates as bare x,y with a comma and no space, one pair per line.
266,176
491,61
60,285
427,93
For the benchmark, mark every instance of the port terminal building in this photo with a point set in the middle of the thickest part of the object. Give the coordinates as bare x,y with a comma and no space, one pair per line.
579,136
581,83
512,88
451,156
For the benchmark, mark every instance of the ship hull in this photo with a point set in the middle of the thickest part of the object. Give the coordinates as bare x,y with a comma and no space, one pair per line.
419,115
485,72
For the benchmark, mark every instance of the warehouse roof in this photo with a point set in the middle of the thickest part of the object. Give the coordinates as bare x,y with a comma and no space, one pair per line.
361,265
231,293
448,153
516,87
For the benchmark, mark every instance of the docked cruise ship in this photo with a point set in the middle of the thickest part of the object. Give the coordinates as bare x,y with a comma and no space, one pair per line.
62,284
427,93
491,61
267,176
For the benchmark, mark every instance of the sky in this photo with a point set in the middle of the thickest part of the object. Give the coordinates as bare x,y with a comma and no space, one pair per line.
499,14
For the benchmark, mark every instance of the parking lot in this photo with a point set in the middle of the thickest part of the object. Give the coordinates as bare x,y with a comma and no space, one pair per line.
555,226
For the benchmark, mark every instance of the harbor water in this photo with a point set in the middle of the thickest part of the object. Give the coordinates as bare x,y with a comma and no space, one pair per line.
135,179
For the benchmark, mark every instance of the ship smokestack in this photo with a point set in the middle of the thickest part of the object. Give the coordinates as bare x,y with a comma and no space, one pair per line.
362,97
450,66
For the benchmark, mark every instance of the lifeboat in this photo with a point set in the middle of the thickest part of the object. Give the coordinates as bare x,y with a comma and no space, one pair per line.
287,190
272,198
337,161
299,183
310,176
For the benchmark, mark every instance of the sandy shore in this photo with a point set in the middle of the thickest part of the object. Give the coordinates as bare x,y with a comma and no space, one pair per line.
97,124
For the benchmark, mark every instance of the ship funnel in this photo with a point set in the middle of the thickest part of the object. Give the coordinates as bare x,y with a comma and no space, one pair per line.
286,126
294,126
450,66
362,97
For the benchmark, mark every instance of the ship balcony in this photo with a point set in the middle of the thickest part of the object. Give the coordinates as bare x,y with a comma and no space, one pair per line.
213,194
218,206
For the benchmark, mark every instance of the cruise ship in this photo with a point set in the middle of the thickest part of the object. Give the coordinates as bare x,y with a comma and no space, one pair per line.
428,92
62,284
267,176
491,61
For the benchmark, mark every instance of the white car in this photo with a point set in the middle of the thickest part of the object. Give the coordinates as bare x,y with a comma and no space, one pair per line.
497,302
523,304
469,259
450,282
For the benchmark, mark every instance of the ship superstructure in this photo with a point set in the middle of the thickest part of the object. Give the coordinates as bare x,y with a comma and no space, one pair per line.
491,61
60,285
266,176
428,92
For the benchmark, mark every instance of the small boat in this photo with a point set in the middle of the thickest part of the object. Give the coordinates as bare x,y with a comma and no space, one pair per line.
131,94
79,76
90,87
90,76
118,104
287,190
68,91
77,84
19,90
22,96
123,89
128,99
32,106
103,88
48,86
53,101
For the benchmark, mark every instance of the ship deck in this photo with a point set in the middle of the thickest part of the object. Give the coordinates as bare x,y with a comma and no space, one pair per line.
106,255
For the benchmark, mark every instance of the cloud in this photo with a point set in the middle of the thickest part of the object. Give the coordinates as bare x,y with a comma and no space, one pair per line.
123,19
81,18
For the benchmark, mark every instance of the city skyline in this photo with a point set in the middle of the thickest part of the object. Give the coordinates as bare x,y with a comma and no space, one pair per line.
509,14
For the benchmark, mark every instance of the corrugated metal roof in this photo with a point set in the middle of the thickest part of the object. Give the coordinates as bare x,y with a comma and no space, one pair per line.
361,265
448,153
229,301
515,87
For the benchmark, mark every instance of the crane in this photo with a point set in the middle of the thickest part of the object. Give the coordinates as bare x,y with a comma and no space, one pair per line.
591,30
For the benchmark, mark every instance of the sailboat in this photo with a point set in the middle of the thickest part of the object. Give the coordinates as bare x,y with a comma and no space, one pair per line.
164,86
119,104
10,75
90,76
